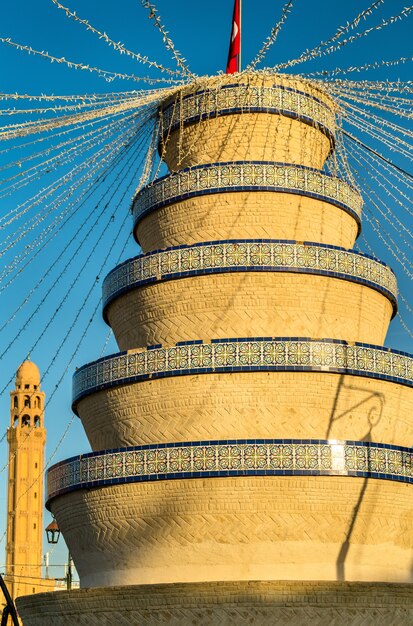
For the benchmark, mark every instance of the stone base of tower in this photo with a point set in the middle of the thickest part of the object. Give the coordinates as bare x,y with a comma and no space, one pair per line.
221,603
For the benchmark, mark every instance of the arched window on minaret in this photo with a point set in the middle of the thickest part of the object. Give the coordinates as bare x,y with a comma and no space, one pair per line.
27,401
36,421
15,402
26,420
15,421
37,402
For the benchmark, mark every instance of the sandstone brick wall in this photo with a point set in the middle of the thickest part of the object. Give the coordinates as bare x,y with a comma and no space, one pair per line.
312,405
244,528
247,136
250,135
262,603
246,215
250,304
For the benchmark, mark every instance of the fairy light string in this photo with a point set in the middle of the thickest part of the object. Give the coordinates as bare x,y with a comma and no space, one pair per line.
387,22
81,308
169,44
56,202
67,247
105,74
73,254
272,37
119,47
46,236
46,166
319,49
360,68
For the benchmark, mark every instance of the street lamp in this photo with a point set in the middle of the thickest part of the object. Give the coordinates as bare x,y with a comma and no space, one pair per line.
52,532
53,535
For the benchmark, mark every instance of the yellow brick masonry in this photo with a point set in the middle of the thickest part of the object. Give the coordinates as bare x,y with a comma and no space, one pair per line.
262,603
249,405
250,135
244,528
237,530
246,215
249,304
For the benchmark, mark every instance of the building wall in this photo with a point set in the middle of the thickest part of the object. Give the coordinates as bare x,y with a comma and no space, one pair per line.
262,603
248,405
249,304
243,528
246,215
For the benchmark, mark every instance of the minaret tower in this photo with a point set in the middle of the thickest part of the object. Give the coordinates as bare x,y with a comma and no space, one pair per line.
252,439
26,436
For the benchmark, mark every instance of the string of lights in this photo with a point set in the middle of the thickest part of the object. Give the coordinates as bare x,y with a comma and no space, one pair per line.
169,44
119,47
105,74
43,239
319,49
272,37
67,248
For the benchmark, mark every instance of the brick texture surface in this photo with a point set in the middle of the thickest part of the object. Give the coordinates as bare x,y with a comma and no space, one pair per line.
249,304
246,215
283,531
247,137
262,603
249,405
250,528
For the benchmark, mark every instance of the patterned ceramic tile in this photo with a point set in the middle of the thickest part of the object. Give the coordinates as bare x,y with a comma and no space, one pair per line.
247,175
233,99
249,256
224,458
229,355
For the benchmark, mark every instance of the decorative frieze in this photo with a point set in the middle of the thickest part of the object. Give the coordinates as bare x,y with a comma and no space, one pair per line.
243,355
248,98
249,256
208,459
242,176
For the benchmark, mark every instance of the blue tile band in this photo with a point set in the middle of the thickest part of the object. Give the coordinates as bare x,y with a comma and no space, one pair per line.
241,176
260,354
244,98
208,459
249,256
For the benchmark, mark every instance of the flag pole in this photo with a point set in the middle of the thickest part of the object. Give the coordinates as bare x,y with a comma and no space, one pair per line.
240,35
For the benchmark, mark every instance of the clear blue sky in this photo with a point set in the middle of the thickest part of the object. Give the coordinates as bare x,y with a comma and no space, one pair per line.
200,31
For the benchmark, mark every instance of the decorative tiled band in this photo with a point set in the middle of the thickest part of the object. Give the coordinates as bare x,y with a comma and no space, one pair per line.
209,459
243,355
249,256
241,176
244,98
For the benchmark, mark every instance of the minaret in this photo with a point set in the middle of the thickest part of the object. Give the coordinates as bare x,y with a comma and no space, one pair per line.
26,436
252,458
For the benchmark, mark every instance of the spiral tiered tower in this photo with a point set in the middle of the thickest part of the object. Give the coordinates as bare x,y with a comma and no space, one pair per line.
251,441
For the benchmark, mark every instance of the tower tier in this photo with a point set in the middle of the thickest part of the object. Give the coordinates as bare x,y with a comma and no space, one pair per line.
247,200
255,117
278,510
232,602
249,288
232,389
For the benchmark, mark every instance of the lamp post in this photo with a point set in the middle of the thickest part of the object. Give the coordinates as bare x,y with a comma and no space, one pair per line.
53,535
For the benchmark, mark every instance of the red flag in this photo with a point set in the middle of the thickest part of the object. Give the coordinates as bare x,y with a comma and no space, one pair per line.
234,53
